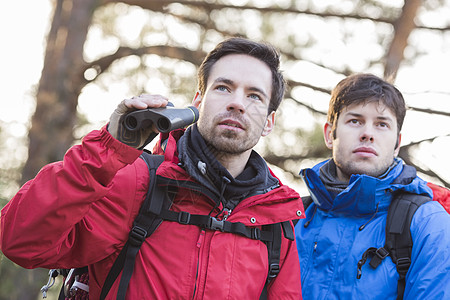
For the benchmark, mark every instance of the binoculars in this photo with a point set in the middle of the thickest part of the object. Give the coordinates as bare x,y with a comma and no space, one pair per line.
165,118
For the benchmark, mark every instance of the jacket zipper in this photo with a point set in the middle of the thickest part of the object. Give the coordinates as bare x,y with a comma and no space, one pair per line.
310,264
200,245
200,241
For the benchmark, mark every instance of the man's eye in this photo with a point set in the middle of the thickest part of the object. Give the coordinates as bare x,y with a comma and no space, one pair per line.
222,88
256,97
354,121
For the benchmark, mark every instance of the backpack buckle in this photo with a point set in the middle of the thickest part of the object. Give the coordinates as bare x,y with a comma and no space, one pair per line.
381,253
274,269
256,233
403,265
215,224
378,256
137,235
184,217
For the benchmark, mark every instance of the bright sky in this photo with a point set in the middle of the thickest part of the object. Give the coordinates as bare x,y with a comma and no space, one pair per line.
21,55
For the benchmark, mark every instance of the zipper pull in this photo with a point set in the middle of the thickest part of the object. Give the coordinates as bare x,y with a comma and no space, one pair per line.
226,213
201,237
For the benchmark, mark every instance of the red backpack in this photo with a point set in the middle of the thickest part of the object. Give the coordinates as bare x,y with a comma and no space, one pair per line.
441,195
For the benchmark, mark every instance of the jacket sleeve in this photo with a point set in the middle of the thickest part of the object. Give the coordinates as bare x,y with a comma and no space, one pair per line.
429,274
287,285
69,215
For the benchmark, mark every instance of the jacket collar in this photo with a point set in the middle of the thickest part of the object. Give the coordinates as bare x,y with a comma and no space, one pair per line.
364,193
189,150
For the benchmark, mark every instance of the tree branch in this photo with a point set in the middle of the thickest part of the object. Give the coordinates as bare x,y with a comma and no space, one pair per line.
292,83
160,5
102,64
429,111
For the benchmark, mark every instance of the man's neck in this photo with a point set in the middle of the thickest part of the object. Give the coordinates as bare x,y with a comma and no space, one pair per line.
341,176
234,163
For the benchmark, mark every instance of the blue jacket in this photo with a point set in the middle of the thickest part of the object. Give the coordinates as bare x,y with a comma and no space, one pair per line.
331,245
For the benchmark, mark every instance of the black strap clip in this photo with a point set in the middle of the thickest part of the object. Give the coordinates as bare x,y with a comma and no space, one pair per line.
215,224
137,235
381,253
256,233
378,256
184,217
274,269
403,265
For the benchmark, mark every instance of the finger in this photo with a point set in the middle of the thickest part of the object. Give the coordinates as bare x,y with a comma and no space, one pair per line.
146,101
153,100
135,103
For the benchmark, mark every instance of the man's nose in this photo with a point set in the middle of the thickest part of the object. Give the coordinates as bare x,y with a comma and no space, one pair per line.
366,134
238,102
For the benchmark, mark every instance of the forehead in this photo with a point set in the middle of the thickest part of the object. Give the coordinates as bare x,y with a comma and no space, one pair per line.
376,109
243,69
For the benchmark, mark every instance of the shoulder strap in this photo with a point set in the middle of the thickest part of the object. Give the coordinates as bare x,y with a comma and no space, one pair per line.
144,225
398,233
398,236
154,210
274,250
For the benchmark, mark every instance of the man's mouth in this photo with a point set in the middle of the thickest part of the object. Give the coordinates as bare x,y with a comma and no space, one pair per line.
365,151
231,123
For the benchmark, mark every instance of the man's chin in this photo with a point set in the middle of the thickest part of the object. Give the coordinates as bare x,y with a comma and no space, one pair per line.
362,168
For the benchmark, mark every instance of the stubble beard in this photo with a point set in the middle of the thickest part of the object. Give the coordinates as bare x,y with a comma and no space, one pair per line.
371,169
226,142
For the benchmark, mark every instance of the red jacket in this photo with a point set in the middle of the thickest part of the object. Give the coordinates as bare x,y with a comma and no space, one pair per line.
79,212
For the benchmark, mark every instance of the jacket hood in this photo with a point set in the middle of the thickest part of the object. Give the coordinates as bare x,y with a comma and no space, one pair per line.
364,194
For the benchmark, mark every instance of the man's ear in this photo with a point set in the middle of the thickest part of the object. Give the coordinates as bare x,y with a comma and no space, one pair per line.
328,135
197,99
397,146
270,122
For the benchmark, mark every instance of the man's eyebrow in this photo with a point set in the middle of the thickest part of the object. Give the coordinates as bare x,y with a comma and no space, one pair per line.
224,80
353,114
385,118
357,115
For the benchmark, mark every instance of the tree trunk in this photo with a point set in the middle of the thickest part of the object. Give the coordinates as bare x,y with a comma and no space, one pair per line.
403,27
52,124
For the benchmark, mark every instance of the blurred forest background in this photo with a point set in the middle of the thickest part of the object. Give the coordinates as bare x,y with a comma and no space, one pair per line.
98,52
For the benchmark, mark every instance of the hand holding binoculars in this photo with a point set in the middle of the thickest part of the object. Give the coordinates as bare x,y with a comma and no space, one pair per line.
165,119
135,128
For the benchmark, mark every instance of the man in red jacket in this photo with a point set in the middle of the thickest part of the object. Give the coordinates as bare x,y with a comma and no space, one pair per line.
79,211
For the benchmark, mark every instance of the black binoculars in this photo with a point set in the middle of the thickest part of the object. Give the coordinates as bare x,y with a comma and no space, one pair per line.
165,118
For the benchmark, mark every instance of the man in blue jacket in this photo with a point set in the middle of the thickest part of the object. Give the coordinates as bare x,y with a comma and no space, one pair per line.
351,194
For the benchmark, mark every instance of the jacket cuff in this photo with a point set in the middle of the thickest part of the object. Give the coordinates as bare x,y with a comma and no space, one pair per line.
125,153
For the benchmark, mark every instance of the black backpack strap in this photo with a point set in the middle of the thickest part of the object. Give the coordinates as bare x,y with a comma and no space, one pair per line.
307,201
144,225
398,234
287,230
212,223
273,252
398,242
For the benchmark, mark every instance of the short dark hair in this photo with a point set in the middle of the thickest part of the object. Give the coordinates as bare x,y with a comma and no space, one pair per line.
262,51
364,88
